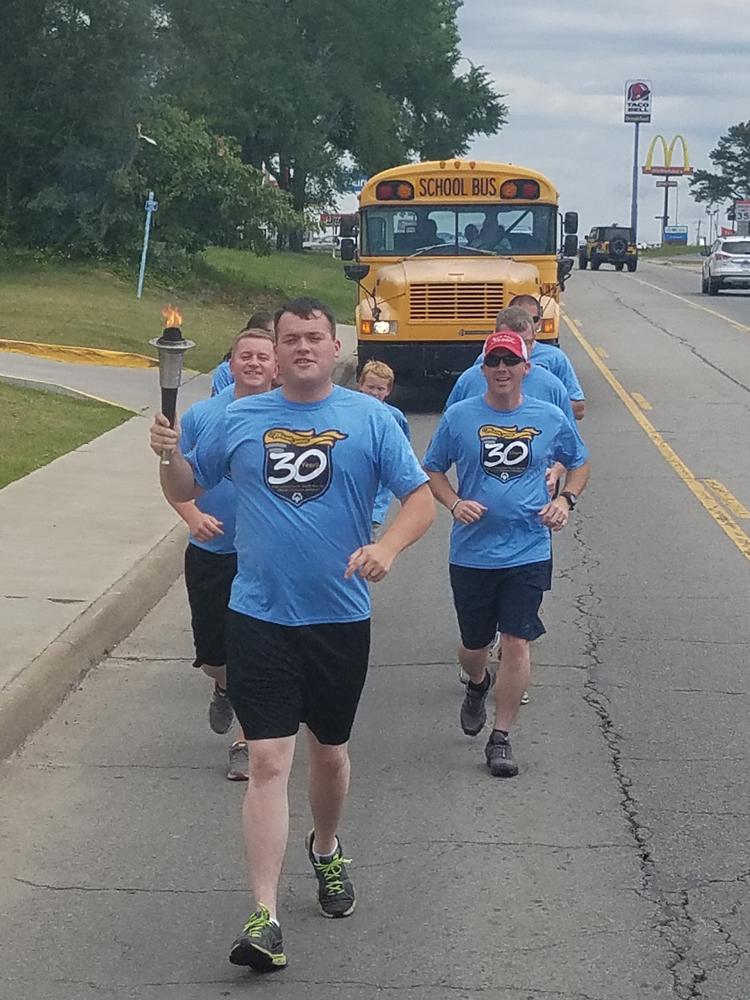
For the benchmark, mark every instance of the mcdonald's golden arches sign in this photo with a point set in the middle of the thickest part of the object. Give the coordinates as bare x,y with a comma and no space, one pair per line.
669,168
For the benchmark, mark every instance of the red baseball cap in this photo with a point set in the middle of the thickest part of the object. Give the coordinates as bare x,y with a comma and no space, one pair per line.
507,341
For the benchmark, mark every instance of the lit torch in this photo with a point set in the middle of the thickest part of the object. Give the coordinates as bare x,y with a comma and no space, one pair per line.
171,346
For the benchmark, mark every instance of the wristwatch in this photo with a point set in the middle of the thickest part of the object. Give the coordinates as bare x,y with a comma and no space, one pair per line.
572,498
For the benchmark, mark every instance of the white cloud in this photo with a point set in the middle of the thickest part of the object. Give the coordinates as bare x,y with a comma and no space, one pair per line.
564,66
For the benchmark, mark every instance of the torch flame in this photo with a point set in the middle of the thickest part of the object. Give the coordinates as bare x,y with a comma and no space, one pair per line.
172,316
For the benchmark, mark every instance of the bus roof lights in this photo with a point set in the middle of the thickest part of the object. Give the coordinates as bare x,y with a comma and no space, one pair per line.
528,190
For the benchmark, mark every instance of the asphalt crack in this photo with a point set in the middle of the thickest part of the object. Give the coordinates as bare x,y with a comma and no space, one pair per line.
675,923
683,341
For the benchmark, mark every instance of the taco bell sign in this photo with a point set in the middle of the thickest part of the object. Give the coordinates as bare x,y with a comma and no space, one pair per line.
638,95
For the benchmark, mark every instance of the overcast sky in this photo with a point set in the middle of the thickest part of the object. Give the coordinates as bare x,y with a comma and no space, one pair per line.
563,67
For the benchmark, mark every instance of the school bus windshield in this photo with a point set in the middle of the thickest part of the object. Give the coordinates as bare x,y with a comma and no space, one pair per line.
496,230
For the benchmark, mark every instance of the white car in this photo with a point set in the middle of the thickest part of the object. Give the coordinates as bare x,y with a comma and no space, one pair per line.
727,263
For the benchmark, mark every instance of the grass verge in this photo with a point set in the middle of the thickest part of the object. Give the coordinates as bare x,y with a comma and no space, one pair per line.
670,250
66,303
40,426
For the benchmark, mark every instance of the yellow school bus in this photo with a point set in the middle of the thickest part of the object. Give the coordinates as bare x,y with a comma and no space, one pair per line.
440,247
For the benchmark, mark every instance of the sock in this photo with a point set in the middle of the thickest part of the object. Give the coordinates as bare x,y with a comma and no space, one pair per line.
325,858
483,685
502,733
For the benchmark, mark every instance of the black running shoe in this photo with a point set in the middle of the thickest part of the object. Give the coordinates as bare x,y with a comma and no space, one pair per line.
499,756
259,945
473,712
335,891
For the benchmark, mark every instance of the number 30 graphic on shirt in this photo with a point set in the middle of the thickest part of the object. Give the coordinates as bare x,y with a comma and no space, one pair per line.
291,465
299,464
505,452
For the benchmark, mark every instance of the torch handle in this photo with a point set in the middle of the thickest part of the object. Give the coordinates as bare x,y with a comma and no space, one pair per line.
169,409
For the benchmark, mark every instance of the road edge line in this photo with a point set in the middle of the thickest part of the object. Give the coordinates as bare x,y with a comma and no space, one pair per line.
42,685
730,527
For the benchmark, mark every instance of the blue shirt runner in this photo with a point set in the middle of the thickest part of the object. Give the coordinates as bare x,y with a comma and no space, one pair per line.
306,476
221,501
501,458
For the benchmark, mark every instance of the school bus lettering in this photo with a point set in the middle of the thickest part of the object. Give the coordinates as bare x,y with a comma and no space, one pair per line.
458,187
484,187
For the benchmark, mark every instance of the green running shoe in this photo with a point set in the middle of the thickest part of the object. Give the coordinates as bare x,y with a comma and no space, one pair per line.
259,945
335,891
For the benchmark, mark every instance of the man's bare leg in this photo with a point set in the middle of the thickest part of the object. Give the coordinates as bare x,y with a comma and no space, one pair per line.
513,675
474,662
329,784
265,816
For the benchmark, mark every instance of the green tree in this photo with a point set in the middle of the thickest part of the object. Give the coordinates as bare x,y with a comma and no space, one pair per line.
206,193
71,75
732,179
309,86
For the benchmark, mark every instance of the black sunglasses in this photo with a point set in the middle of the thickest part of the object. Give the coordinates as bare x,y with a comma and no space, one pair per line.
536,318
509,360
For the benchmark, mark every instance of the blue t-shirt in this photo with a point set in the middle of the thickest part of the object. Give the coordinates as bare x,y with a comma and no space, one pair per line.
556,361
306,476
539,383
220,502
501,458
384,496
222,377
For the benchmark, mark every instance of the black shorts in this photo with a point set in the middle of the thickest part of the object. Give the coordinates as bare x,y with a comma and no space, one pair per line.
504,600
281,675
208,578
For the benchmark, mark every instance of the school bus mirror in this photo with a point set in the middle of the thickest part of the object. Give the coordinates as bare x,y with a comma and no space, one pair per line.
570,245
570,222
348,248
356,272
348,225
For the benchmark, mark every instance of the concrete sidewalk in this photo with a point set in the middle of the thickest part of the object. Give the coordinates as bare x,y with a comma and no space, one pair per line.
90,544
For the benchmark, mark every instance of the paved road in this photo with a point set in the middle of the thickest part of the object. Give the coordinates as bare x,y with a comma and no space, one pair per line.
615,867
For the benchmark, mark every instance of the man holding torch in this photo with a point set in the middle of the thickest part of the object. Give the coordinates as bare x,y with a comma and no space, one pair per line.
210,557
306,461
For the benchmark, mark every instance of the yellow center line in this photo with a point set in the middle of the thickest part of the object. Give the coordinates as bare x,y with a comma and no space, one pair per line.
601,352
729,499
695,305
730,527
641,401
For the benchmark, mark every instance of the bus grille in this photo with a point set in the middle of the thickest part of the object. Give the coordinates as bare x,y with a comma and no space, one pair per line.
455,301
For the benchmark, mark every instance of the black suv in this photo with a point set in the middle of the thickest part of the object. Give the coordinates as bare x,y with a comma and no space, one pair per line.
609,245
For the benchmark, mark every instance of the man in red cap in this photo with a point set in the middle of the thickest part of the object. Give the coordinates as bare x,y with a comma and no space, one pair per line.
500,555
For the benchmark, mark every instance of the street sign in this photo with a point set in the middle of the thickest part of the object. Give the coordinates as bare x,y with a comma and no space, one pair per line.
666,184
742,211
152,205
675,234
638,96
358,184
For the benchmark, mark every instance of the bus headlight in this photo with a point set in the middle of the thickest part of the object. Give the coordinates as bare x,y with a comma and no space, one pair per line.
385,326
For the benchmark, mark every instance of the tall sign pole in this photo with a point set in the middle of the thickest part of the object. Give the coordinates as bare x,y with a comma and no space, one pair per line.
638,95
668,170
634,191
151,206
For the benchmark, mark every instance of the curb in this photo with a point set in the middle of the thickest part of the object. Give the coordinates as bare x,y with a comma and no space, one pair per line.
79,355
42,686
